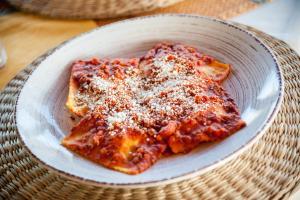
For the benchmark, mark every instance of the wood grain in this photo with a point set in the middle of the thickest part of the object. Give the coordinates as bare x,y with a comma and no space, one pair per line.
25,37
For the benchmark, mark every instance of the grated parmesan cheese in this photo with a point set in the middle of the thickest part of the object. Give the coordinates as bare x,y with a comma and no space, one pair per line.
167,93
101,83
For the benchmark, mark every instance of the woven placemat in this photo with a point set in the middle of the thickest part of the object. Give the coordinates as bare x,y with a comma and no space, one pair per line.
90,8
268,170
101,9
223,9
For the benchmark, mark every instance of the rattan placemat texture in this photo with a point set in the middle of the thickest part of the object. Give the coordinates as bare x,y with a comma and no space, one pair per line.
223,9
90,8
100,9
268,170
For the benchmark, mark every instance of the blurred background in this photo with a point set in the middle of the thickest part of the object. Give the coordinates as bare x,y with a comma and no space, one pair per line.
28,28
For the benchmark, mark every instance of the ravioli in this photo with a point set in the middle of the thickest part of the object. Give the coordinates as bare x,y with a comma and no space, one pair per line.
126,150
135,111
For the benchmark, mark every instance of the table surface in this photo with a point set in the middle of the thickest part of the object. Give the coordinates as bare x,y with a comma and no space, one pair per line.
284,24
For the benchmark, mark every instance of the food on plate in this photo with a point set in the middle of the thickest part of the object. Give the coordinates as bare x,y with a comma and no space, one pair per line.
89,79
134,111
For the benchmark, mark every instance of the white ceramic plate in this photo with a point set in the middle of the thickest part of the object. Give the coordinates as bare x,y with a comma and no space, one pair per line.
255,83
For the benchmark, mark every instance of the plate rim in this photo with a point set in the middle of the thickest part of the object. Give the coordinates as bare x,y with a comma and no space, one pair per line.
259,133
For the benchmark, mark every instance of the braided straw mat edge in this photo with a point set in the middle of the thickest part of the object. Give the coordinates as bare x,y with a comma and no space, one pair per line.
268,170
90,8
101,9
